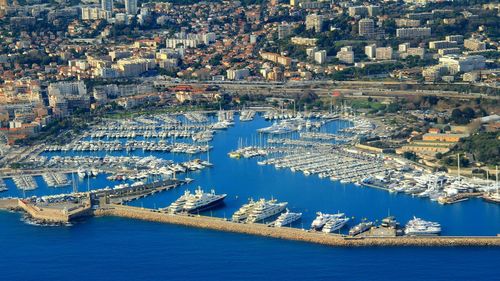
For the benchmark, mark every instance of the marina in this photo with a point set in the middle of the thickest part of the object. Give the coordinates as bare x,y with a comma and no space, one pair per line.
312,175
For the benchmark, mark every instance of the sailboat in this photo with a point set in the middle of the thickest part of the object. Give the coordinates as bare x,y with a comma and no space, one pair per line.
493,196
207,162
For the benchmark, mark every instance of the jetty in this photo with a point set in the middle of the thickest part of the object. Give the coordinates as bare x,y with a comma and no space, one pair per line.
293,234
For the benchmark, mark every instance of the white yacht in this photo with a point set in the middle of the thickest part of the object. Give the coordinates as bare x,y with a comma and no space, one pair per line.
178,205
360,228
286,218
201,201
322,219
417,226
335,224
244,211
3,186
266,209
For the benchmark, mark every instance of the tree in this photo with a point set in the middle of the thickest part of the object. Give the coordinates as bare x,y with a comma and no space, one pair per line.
410,155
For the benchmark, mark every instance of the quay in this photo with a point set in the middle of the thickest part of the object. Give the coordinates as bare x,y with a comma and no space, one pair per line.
293,234
67,207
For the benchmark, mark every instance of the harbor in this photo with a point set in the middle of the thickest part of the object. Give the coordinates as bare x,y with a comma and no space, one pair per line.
313,174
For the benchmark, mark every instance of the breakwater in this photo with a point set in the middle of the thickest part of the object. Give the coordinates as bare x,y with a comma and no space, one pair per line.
294,234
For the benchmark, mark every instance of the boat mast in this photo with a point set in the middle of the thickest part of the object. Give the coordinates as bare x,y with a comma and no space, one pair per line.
496,179
458,165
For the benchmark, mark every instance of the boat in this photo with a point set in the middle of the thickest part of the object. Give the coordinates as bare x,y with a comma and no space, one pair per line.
178,205
492,197
321,219
234,154
81,173
244,211
360,228
286,218
3,186
265,209
335,223
389,222
201,201
420,227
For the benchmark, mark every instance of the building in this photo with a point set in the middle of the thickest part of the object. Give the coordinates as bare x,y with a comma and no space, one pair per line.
95,14
107,5
313,4
434,72
134,67
383,53
276,58
66,96
441,137
131,7
304,41
358,11
346,55
370,51
320,57
449,51
373,10
294,3
443,44
366,27
238,74
455,63
457,38
418,52
284,30
407,23
314,22
416,32
474,44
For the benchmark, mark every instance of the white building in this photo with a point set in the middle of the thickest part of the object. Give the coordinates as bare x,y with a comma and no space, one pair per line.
455,63
320,56
416,32
131,7
346,55
238,74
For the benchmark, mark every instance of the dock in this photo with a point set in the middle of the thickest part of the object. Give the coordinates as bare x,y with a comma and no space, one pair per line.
293,234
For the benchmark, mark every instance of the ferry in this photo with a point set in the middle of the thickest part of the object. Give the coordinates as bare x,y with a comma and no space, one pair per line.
335,224
286,218
244,211
360,228
201,201
265,209
420,227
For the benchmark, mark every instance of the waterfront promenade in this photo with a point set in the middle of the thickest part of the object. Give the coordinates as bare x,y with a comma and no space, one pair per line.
294,234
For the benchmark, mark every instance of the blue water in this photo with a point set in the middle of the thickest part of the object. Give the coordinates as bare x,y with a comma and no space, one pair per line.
114,248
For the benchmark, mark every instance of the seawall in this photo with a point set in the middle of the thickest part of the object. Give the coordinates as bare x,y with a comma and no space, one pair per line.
293,233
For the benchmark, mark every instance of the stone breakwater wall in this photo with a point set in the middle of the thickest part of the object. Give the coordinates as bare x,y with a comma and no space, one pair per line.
9,204
293,233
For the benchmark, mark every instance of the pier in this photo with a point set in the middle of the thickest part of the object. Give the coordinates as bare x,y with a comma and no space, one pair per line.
293,234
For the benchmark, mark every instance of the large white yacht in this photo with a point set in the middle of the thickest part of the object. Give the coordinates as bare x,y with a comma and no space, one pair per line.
322,219
266,209
335,223
178,205
418,226
244,211
202,201
286,218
